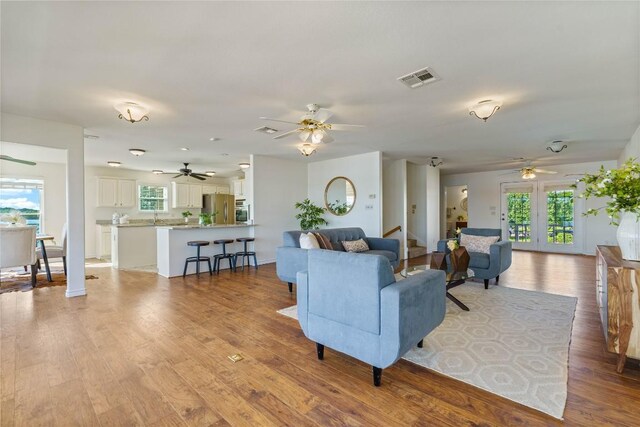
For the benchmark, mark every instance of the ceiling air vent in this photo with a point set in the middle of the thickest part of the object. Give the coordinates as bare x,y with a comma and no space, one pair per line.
419,78
266,129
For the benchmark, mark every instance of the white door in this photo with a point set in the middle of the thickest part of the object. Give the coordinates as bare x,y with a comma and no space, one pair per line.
127,193
519,216
195,196
560,217
107,192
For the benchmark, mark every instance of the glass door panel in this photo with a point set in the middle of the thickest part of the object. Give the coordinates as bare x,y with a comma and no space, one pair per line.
559,218
519,215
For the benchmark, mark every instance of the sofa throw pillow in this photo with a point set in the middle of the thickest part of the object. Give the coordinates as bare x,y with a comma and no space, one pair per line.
308,241
324,241
355,245
477,243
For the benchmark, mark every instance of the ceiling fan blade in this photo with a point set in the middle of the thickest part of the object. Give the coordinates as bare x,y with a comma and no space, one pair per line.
339,126
196,176
201,175
304,135
178,176
13,159
328,139
281,121
284,135
322,115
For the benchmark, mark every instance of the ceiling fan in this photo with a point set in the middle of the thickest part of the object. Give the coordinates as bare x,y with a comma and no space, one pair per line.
528,171
314,125
185,171
13,159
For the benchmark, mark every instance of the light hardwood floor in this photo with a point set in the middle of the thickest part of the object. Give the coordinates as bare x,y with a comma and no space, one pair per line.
141,349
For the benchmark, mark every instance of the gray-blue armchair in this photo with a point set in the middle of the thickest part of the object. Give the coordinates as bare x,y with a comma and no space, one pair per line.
485,266
351,303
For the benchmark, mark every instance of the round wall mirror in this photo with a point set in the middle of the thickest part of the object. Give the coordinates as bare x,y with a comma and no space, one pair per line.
340,196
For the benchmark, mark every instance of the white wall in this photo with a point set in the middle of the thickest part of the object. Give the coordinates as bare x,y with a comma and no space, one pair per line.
277,185
484,199
632,149
394,209
54,204
94,213
365,171
27,130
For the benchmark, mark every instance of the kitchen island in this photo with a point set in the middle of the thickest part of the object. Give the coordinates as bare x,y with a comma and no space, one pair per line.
133,246
172,249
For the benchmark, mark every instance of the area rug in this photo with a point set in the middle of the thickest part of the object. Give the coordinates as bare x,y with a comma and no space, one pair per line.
20,281
512,342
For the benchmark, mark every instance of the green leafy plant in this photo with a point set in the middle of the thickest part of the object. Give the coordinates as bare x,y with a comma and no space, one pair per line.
310,215
186,214
621,186
205,218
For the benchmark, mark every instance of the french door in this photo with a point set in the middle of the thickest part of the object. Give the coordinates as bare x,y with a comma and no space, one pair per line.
542,216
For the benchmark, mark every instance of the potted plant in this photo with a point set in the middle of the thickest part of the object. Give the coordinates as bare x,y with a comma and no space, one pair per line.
310,215
622,187
204,218
186,215
14,218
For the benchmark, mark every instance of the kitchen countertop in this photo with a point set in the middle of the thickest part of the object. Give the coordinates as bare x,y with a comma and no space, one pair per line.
204,227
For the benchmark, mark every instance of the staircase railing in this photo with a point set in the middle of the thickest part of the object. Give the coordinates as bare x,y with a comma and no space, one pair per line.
393,230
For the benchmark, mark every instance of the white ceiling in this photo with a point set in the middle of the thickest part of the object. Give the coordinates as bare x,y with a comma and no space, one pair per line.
565,70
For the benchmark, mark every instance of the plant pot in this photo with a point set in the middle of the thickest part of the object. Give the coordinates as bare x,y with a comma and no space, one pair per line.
186,220
460,259
628,235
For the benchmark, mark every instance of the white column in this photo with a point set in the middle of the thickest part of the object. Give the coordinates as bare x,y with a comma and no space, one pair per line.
75,221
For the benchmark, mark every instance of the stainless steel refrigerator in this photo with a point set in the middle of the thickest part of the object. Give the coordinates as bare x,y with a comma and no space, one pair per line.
223,204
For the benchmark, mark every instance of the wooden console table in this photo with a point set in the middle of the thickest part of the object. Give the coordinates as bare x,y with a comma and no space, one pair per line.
618,297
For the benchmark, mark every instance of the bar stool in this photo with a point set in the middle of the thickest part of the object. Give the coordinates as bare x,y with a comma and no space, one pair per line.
224,255
197,259
245,253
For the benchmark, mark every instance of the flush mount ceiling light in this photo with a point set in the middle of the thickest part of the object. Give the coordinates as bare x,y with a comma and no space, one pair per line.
556,146
435,161
157,172
131,112
464,190
137,151
484,109
244,165
210,173
184,149
114,164
307,149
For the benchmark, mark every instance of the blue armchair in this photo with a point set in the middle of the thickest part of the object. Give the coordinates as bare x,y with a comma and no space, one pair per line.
351,303
290,258
485,266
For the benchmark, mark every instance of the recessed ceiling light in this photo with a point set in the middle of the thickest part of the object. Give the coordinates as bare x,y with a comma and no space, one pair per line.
137,151
266,129
184,149
244,165
210,173
157,172
114,164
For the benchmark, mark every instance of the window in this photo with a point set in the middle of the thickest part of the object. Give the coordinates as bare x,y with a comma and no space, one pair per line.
22,197
152,198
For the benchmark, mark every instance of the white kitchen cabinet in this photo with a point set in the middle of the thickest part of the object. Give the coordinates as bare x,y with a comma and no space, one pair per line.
186,195
209,189
103,241
113,192
238,188
222,189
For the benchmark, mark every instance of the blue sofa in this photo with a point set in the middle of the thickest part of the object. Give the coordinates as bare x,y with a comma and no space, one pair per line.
290,258
351,303
485,266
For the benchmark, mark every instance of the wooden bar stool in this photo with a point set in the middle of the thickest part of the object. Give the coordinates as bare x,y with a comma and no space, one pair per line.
197,259
245,253
224,255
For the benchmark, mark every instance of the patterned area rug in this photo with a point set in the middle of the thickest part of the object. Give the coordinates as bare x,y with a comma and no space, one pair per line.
512,342
17,280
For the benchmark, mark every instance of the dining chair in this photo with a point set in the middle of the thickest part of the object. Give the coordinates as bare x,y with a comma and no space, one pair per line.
18,248
54,251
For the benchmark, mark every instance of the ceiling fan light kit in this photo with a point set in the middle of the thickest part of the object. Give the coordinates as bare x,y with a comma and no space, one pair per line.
114,164
137,151
132,112
484,109
528,174
556,146
307,149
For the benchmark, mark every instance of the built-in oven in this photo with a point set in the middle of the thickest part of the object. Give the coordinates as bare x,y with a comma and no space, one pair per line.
242,211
